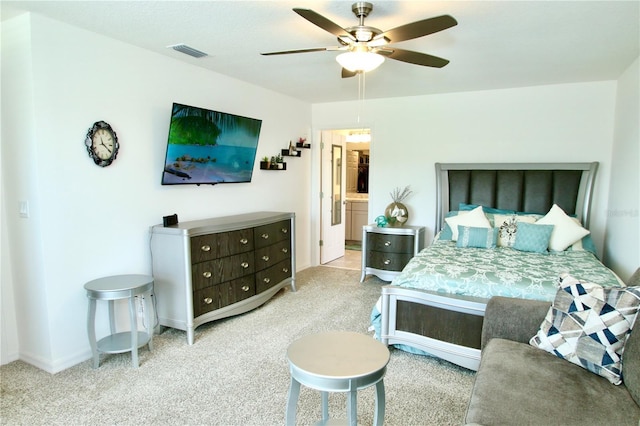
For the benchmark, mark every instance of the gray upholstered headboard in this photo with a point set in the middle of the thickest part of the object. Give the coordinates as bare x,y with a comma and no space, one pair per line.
523,187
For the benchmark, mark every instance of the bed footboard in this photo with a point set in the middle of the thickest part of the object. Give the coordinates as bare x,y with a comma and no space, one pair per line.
447,326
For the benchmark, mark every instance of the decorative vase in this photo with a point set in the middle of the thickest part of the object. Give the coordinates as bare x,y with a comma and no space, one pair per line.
397,214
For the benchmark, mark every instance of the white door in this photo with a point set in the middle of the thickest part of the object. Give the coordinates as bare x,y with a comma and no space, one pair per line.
333,200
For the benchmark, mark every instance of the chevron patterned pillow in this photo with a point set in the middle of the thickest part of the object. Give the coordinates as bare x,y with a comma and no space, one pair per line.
588,325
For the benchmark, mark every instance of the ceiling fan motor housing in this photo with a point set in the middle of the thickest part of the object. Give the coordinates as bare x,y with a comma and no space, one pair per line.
362,9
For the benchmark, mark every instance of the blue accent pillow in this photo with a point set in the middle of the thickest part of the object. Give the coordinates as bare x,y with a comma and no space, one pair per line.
532,237
587,245
469,236
467,207
447,234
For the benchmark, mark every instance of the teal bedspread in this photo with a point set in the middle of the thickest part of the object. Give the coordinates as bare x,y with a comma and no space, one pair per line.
501,271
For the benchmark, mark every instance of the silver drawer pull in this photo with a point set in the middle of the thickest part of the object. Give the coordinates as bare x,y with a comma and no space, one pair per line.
387,261
205,248
285,250
208,300
244,241
245,265
387,243
284,230
265,236
285,270
265,258
267,280
245,288
206,274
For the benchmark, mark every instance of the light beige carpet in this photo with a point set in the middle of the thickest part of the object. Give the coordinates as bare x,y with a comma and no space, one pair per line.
236,373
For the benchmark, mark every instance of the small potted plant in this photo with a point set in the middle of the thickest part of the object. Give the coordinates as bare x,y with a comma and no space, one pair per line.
301,143
279,162
273,162
264,164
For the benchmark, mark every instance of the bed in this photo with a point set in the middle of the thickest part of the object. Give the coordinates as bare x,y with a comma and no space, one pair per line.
436,305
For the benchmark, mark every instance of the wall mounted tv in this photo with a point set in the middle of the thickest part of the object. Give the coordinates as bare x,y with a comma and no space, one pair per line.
208,147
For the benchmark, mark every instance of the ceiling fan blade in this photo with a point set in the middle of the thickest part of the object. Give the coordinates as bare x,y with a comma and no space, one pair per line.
418,29
287,52
346,73
412,57
324,23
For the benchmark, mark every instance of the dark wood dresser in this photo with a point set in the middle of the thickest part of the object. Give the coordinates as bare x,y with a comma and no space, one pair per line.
210,269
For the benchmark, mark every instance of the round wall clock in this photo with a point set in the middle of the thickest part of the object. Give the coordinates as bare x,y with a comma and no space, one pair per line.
102,143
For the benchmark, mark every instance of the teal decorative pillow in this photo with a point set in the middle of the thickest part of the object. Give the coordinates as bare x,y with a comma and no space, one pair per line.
588,325
446,233
508,227
469,236
475,218
532,237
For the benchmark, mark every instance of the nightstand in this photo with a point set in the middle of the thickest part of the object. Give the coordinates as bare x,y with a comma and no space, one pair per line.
386,251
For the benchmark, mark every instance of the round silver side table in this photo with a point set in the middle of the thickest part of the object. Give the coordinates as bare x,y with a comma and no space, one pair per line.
337,361
116,288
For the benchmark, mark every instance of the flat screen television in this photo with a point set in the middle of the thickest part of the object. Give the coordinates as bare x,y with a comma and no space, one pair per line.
208,147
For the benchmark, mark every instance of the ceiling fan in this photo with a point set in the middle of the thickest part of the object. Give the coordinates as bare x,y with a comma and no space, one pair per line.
362,42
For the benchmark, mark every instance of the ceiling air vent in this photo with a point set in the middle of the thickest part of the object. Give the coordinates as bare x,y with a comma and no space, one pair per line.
188,50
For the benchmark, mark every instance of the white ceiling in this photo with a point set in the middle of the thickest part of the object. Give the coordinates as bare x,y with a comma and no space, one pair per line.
496,44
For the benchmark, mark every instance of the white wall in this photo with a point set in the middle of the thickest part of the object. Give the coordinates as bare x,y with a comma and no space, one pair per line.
559,123
622,251
86,221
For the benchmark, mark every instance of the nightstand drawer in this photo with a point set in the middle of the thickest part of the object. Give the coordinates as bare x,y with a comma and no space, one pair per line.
390,243
388,261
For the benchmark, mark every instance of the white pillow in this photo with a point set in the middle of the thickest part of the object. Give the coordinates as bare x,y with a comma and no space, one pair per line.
565,229
475,218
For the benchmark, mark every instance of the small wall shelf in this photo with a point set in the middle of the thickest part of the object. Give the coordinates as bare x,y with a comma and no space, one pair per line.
285,153
264,165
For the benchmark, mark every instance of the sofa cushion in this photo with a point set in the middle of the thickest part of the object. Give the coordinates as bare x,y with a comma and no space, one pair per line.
519,384
631,359
588,325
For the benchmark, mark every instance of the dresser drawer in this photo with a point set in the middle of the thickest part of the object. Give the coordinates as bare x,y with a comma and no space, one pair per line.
390,243
206,274
213,246
223,294
268,256
266,235
388,261
269,277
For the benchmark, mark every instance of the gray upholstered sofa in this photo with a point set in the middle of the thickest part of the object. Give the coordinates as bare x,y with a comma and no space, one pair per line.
520,384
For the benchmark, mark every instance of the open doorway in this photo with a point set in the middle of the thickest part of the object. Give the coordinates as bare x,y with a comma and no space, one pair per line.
342,245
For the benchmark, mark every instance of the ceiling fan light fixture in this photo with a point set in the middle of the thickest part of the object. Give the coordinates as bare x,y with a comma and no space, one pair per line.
360,61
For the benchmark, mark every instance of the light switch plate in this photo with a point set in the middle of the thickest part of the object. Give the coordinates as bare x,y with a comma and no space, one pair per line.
24,209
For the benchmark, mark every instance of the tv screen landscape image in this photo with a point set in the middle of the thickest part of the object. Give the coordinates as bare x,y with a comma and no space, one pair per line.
207,147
